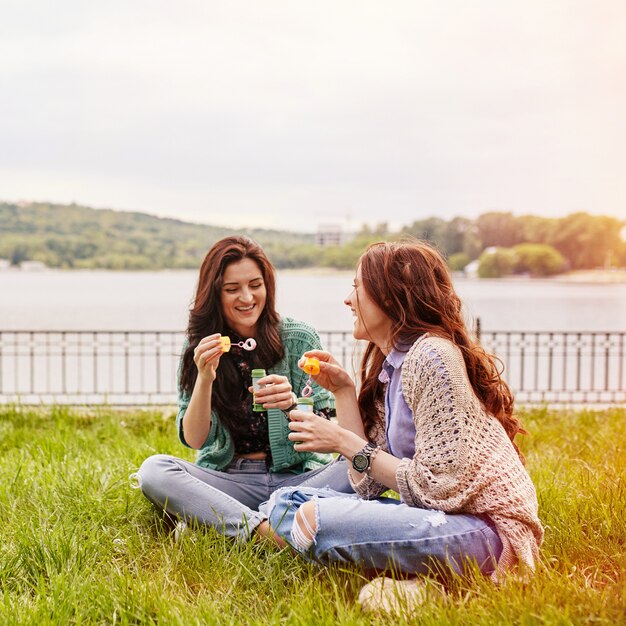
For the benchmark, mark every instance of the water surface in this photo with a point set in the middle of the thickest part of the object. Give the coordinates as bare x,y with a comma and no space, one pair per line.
102,300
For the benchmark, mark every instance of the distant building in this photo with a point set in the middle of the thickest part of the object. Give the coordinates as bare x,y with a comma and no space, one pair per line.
471,269
5,264
331,235
32,266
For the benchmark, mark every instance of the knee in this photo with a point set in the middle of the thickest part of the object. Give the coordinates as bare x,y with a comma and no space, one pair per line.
305,526
150,474
292,514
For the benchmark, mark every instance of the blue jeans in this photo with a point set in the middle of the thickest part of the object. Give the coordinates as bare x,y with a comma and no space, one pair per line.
385,534
227,500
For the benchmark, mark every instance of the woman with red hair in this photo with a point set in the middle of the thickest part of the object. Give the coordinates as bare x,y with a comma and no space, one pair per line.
433,420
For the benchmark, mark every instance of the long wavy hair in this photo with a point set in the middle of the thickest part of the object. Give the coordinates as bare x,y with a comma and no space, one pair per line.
206,318
410,282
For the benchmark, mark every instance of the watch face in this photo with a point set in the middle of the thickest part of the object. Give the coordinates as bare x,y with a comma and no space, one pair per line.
360,462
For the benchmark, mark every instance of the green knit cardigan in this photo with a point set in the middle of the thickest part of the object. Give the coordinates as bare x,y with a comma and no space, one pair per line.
218,449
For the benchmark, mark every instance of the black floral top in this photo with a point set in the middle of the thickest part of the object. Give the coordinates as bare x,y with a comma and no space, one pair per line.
255,438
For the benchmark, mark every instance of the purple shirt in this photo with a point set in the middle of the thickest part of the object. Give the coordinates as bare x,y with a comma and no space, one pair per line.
400,428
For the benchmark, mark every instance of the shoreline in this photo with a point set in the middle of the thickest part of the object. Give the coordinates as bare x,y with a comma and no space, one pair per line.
600,276
597,276
578,277
315,271
613,276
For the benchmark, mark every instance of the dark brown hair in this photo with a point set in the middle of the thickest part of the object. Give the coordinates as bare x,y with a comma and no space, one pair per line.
206,318
410,282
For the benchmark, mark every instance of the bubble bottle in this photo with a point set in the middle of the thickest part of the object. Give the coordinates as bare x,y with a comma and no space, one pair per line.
257,374
305,404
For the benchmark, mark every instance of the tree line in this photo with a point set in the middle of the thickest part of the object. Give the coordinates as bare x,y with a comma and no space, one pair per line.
505,243
78,237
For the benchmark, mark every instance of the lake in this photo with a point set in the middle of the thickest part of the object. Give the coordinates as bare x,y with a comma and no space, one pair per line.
102,300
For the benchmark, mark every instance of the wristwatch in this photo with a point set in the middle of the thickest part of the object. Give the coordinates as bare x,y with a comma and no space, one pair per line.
362,459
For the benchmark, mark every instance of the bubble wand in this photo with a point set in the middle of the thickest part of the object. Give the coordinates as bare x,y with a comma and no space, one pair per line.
249,344
311,366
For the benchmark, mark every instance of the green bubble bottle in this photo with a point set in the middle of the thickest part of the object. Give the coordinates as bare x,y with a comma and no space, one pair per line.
256,376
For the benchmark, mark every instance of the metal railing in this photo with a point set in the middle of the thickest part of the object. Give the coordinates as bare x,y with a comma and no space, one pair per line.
140,367
89,367
562,367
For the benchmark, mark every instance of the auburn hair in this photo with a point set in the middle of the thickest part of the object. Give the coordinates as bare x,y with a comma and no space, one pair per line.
410,282
206,318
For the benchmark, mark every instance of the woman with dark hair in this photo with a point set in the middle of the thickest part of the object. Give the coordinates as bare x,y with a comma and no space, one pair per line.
433,421
244,453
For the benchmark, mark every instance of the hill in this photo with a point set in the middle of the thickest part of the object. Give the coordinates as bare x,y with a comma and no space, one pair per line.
73,236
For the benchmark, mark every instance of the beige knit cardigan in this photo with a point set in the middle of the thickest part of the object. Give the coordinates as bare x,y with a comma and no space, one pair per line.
464,461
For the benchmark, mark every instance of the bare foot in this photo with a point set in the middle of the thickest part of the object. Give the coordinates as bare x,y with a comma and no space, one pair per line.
264,530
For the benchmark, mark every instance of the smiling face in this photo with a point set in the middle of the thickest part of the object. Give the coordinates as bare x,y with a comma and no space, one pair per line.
243,296
370,323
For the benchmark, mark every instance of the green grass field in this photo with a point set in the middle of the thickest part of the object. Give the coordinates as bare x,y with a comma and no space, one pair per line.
78,546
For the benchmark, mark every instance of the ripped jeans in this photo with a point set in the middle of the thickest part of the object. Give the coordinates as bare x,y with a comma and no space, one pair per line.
384,534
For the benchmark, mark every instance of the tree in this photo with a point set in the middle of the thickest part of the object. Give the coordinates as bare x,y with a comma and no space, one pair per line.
463,237
19,254
621,254
534,229
458,261
457,235
432,229
538,259
495,263
498,229
584,239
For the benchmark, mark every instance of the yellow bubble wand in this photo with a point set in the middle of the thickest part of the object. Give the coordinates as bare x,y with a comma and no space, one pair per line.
311,366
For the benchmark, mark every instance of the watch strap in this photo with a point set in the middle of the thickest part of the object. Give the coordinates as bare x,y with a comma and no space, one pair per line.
293,406
289,408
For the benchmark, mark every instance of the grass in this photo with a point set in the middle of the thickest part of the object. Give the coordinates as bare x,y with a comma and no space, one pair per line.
78,546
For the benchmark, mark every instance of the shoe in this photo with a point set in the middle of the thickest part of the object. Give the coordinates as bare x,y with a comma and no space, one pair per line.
179,530
398,596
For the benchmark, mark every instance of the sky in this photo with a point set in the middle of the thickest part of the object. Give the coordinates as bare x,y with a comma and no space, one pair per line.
294,115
